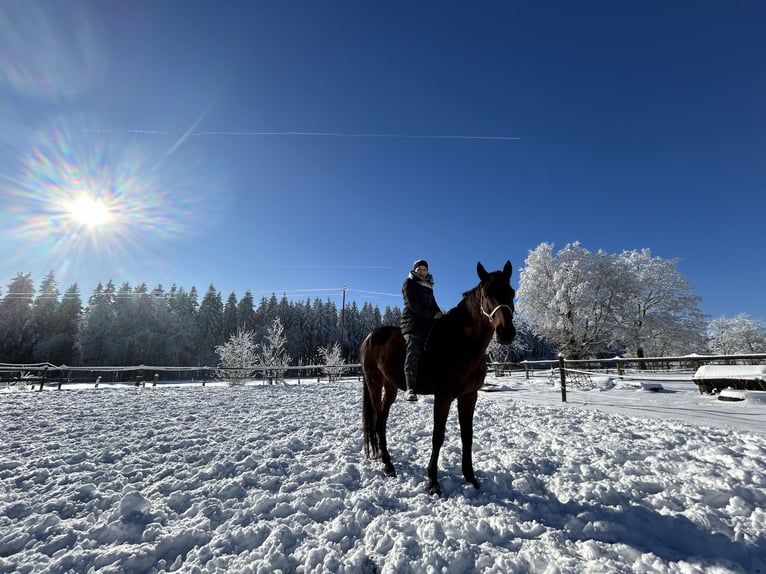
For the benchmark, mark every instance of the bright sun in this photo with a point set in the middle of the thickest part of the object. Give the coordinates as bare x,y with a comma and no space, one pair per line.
89,212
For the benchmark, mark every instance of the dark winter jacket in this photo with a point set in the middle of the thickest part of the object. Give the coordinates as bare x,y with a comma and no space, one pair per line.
419,304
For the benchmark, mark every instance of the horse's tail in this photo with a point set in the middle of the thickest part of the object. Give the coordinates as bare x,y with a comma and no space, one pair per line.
369,419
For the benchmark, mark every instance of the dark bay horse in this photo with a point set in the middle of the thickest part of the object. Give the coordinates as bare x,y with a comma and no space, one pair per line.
452,367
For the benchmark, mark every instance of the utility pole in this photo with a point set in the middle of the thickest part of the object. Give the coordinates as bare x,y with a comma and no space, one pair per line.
343,323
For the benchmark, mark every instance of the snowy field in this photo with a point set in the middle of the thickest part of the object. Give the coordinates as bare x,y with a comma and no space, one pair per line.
272,479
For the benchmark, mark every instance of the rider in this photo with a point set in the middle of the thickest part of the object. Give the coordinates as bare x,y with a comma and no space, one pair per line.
420,309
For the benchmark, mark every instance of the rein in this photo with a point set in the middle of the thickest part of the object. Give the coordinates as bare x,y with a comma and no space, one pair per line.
428,336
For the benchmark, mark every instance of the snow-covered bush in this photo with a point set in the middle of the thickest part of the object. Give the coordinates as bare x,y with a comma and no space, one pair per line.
333,361
273,353
238,357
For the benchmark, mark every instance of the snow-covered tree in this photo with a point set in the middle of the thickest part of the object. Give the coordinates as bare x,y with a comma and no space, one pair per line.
498,353
591,303
239,355
333,361
273,353
566,298
736,335
656,310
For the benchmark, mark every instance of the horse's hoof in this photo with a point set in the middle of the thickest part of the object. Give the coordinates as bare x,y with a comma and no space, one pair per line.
472,480
389,471
434,489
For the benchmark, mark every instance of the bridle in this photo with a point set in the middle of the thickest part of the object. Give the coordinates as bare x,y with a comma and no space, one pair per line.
495,310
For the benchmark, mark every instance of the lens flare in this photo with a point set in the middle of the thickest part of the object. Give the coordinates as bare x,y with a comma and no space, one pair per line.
50,51
73,200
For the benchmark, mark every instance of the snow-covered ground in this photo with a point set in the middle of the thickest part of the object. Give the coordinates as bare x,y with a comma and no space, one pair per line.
272,478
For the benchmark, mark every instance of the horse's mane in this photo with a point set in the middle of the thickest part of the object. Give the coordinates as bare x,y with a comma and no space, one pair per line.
457,317
447,335
461,308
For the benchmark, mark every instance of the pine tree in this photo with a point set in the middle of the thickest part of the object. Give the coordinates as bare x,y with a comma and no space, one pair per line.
230,317
15,320
67,323
43,328
95,335
121,347
246,312
182,326
130,326
210,325
392,316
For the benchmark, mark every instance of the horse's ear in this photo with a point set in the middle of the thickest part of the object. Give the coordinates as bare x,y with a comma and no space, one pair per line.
483,275
507,270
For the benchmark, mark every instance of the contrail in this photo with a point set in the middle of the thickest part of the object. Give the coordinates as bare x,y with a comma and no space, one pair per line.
353,135
190,131
308,134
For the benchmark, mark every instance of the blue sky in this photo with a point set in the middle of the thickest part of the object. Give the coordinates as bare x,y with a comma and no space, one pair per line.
296,147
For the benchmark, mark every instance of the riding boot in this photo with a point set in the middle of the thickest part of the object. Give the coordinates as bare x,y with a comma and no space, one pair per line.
409,394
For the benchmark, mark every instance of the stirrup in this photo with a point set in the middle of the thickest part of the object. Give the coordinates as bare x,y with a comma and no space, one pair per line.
409,395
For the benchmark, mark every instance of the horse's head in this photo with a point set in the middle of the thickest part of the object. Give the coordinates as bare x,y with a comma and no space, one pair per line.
497,300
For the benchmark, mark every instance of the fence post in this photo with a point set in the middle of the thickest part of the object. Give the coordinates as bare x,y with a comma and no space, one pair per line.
43,378
563,373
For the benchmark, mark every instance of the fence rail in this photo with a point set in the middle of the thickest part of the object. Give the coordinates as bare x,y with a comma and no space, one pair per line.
568,370
574,370
38,375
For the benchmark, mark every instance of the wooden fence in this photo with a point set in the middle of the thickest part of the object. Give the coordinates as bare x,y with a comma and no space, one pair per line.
570,369
567,370
40,375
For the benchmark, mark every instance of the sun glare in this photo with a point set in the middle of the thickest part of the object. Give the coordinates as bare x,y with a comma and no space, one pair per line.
89,212
83,201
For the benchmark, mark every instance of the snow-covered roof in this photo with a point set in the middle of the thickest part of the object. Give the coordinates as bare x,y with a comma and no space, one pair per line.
755,372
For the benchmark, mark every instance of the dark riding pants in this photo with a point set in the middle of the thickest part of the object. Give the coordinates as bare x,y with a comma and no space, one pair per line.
414,348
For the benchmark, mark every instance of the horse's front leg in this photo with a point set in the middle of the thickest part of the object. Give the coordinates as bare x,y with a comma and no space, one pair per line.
466,405
441,411
389,396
